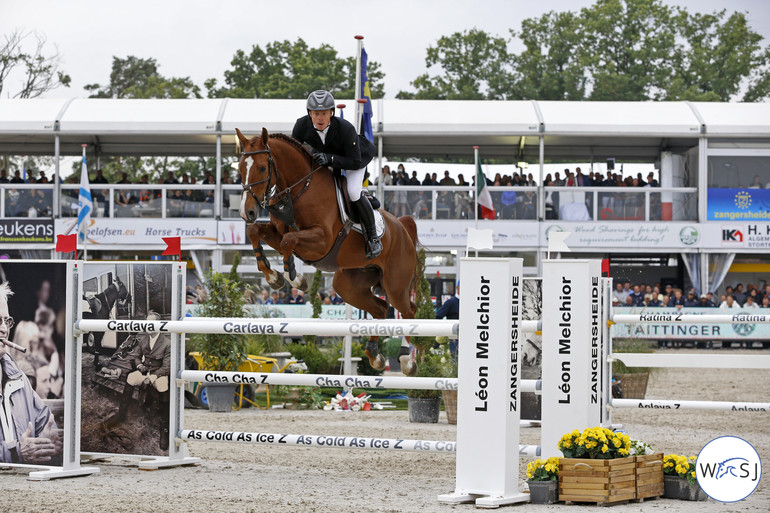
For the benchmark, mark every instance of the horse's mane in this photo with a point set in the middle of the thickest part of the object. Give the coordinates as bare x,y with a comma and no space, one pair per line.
293,142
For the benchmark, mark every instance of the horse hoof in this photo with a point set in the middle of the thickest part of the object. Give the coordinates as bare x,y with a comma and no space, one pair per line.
377,362
408,366
278,282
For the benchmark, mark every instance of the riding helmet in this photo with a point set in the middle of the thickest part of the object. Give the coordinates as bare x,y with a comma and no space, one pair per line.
320,100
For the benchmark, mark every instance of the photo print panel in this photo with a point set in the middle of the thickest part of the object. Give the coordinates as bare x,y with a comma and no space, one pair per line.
33,357
126,375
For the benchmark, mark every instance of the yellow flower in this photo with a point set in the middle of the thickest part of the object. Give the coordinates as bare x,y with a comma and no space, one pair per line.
604,448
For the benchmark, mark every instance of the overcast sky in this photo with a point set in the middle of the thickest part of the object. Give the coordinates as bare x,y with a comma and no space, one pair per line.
197,38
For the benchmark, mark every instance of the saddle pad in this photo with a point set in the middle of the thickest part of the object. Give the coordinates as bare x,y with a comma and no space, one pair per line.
379,222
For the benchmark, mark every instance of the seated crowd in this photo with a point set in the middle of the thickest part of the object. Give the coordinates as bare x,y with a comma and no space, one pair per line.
644,295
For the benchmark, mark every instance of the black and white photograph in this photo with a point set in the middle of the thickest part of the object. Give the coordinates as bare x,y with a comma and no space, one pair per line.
126,376
32,346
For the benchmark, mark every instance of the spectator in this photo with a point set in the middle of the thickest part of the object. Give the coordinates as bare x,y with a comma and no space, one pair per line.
170,179
297,297
619,293
636,296
99,178
750,304
17,177
4,177
705,302
739,295
765,302
656,300
447,180
756,183
124,178
729,303
677,300
334,298
690,300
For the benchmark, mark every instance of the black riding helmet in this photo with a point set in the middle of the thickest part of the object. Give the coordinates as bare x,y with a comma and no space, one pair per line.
320,100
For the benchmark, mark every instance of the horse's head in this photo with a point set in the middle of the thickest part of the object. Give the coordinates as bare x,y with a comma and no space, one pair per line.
122,290
257,168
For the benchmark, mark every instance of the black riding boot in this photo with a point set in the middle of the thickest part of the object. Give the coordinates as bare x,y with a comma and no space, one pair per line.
365,214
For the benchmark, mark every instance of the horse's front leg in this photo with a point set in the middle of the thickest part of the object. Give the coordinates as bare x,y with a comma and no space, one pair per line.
256,234
309,239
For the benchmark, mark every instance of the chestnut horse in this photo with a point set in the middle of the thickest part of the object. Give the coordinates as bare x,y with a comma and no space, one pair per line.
279,174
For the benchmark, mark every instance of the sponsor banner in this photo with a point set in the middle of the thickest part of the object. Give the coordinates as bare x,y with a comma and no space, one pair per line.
629,235
673,330
232,232
104,230
738,205
26,231
745,235
454,233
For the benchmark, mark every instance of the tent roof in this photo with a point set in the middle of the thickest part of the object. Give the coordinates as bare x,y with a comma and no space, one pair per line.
409,128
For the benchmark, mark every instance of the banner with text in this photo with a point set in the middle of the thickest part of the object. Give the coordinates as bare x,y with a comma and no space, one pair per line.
738,205
105,230
454,233
672,330
26,231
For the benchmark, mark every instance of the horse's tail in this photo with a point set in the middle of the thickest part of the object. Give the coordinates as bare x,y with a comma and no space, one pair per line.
411,228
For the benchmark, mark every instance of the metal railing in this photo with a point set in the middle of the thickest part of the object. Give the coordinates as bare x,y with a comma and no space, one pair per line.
422,202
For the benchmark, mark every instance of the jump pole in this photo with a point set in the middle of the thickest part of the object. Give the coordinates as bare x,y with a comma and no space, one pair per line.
489,391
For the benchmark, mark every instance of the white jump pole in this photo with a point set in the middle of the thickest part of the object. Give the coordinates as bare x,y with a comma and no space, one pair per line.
489,392
335,380
663,404
682,318
333,442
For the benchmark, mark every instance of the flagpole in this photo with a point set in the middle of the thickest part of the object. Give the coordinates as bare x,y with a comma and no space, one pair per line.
476,193
85,228
359,109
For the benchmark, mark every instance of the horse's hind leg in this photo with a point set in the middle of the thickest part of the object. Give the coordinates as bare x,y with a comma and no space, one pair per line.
355,287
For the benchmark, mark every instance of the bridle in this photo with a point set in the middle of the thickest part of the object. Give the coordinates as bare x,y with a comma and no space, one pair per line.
282,208
270,167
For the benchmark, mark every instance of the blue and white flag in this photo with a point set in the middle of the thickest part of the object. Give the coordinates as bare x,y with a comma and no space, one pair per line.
366,94
85,204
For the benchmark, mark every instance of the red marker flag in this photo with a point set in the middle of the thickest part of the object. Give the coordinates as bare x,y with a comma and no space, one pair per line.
174,246
66,243
606,267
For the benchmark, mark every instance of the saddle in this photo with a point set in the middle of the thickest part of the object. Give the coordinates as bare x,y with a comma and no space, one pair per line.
329,262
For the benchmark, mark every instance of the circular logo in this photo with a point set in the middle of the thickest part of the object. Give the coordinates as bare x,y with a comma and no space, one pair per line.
743,200
743,330
689,235
728,469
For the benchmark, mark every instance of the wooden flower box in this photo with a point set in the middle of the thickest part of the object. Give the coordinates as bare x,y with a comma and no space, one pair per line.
649,475
599,481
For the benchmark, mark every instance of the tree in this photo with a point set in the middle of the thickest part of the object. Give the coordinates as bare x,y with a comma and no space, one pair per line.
134,77
41,72
475,66
292,70
548,68
717,56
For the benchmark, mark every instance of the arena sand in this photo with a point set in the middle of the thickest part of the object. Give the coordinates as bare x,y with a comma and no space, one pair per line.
250,478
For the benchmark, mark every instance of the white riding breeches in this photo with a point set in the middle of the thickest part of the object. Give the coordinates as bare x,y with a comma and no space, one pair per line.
355,183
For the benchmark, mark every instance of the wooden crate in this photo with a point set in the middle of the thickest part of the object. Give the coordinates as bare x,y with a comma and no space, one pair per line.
649,475
599,481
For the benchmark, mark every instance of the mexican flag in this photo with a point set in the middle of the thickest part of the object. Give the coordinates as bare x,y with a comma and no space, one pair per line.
483,198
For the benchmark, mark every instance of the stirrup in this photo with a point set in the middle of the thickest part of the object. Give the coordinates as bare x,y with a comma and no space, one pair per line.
373,248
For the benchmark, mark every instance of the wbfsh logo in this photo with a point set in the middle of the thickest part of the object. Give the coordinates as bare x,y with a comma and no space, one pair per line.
728,469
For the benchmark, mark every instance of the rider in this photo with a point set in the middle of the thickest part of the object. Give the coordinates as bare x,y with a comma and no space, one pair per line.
336,144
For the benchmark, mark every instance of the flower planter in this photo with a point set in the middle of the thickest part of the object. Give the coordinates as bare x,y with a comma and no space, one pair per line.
598,481
649,475
422,409
676,487
543,492
220,396
450,405
633,386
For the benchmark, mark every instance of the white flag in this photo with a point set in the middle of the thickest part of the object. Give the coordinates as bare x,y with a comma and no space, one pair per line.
85,204
556,242
480,239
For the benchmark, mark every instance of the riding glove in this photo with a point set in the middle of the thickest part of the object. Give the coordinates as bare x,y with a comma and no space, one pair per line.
324,159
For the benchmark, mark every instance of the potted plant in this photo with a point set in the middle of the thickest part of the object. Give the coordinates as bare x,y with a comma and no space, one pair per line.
679,478
543,480
630,382
222,352
601,455
424,405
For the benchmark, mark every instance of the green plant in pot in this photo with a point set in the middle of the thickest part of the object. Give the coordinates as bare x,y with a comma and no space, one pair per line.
630,382
433,358
226,351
